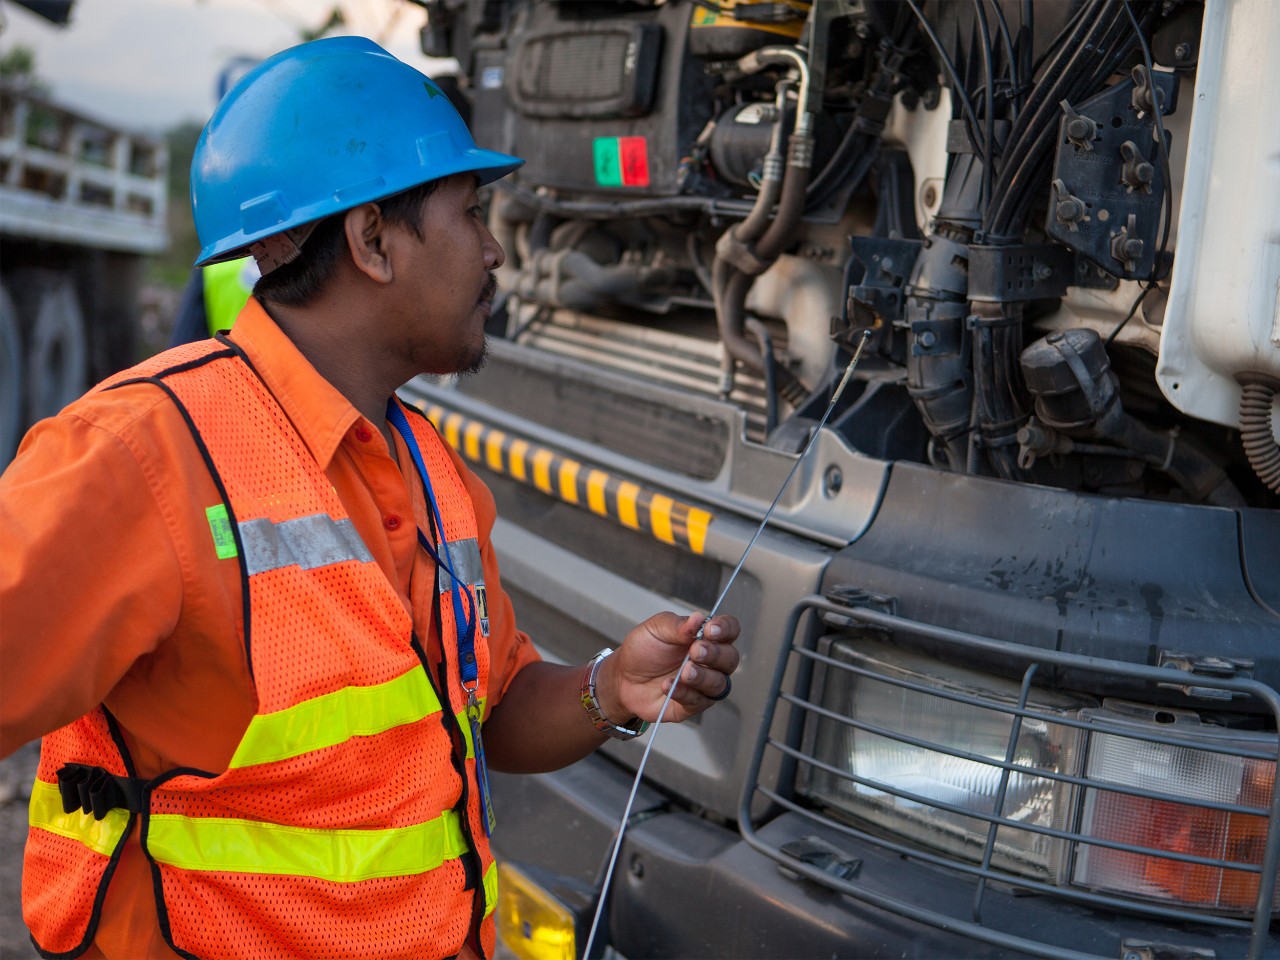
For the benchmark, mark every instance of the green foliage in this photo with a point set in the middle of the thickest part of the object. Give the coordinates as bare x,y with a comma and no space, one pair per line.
18,67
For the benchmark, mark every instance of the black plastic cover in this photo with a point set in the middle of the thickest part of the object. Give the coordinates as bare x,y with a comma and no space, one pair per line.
586,71
557,138
1058,570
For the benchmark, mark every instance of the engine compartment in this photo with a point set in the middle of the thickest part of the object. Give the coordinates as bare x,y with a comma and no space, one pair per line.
722,197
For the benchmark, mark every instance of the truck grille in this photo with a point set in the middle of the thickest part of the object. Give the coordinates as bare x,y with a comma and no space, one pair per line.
672,358
582,406
1110,804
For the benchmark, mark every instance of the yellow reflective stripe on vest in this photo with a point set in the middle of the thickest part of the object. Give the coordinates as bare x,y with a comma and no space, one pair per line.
100,836
343,856
491,888
337,717
465,723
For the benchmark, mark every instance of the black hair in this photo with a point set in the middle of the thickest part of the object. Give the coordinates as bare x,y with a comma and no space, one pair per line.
298,283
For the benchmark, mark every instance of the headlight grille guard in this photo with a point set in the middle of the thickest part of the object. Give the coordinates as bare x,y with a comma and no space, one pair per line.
803,647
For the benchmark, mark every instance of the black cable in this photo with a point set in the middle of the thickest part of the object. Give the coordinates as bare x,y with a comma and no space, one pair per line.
1047,88
1052,49
1076,73
966,105
1116,45
1015,79
988,104
1026,50
1137,302
1167,203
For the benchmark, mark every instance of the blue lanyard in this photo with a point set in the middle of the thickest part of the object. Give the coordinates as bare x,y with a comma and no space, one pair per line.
465,623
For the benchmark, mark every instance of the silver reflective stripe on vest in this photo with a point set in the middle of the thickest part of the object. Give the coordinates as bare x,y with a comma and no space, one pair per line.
308,542
464,557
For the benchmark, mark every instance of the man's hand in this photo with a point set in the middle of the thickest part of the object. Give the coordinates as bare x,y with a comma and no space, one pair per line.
635,680
540,724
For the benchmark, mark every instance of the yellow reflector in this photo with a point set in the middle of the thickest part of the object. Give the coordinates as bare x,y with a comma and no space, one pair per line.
532,924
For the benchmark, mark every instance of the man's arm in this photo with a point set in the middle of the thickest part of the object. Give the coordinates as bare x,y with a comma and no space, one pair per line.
88,578
540,723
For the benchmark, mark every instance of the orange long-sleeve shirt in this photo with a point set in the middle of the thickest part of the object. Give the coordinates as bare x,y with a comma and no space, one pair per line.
110,593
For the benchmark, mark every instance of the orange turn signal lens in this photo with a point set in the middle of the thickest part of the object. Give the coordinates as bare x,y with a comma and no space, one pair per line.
1184,827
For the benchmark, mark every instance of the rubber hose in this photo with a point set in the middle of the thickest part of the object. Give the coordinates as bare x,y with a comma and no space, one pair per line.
731,294
722,272
1255,431
730,310
791,204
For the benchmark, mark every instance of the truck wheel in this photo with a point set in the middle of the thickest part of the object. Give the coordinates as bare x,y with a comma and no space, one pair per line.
11,379
57,361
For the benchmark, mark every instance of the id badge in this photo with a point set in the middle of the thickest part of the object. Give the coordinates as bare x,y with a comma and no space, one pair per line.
482,772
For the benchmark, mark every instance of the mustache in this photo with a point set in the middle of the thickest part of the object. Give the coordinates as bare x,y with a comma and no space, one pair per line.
490,287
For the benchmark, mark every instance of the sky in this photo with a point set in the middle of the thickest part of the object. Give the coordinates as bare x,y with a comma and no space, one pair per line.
150,64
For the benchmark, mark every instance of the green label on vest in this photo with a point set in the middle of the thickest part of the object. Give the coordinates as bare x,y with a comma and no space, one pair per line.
224,541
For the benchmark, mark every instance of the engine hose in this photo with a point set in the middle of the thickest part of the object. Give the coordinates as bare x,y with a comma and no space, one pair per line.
998,381
735,244
731,283
791,204
1255,431
1179,458
757,220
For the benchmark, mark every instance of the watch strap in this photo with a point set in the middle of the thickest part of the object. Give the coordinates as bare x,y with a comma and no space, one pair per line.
590,703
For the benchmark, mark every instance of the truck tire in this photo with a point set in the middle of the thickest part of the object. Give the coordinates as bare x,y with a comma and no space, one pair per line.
58,354
12,379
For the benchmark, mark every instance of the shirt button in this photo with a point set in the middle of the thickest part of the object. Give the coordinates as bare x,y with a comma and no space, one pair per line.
392,522
364,434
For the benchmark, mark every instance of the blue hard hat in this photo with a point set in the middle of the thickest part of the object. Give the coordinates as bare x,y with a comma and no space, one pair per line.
318,129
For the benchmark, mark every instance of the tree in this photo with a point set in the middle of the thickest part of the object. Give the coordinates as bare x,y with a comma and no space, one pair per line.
18,69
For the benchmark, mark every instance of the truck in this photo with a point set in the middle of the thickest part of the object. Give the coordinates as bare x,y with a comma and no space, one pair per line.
82,202
1011,639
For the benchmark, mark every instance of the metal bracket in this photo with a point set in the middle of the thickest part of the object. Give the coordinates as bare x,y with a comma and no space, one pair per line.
1205,666
816,852
1108,177
887,265
1025,271
848,595
1132,949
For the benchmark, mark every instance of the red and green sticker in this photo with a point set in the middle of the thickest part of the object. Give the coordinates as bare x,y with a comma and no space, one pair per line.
621,161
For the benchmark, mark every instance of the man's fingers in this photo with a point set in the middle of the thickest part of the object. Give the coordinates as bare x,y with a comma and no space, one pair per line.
719,657
702,681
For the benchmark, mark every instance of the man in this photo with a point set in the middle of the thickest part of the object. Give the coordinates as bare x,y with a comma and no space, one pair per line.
249,599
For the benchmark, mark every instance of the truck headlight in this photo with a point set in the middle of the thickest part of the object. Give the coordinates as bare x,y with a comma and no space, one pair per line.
908,747
926,790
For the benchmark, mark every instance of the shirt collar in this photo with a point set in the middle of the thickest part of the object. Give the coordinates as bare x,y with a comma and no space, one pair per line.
321,415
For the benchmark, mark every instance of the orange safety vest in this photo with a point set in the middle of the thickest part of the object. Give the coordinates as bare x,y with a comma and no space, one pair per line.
348,823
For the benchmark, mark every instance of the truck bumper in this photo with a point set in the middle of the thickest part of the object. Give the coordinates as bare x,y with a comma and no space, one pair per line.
686,886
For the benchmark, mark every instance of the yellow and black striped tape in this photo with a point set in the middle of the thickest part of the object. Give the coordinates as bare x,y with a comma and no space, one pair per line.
621,501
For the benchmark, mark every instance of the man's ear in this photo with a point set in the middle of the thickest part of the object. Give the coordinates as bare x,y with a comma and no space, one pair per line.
367,238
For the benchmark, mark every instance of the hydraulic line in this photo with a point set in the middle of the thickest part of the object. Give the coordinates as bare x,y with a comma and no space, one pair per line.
747,250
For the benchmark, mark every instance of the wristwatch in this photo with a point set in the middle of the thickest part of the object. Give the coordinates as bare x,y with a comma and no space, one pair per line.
627,731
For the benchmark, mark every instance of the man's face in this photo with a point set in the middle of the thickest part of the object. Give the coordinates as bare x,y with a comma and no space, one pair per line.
447,291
